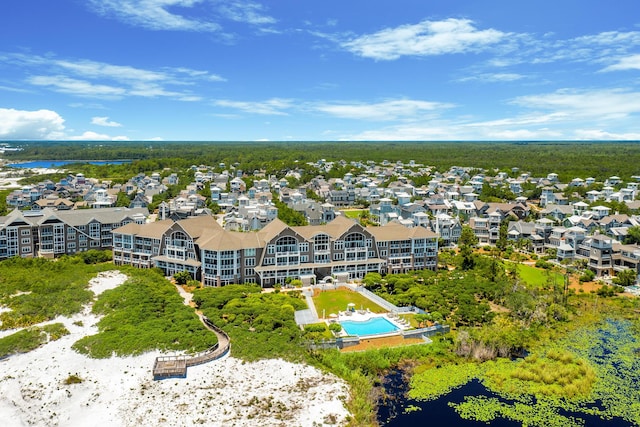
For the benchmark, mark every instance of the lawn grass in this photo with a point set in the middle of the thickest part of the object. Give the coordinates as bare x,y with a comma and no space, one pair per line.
353,213
537,276
333,301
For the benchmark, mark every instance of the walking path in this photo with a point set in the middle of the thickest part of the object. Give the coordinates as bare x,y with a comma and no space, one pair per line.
176,366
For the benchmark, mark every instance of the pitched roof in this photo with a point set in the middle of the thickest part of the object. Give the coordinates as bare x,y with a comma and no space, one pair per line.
397,231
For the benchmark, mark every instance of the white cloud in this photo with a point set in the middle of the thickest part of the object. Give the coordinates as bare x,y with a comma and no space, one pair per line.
386,110
153,14
243,11
601,135
627,63
522,120
523,134
403,133
93,69
102,80
43,125
77,87
39,124
493,77
104,121
182,15
600,103
424,39
93,136
274,106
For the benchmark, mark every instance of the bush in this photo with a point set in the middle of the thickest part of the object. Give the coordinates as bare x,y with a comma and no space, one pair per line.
335,327
182,277
543,264
95,256
316,327
73,379
587,276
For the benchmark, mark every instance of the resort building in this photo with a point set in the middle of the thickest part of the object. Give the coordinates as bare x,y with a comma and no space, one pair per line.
51,233
275,253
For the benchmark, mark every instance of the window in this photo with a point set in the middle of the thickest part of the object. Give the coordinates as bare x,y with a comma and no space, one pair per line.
25,232
286,244
249,262
321,243
354,240
26,249
26,241
304,247
250,252
249,272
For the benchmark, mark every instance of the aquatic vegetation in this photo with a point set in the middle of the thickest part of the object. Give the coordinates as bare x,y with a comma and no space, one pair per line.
558,373
592,372
434,382
487,409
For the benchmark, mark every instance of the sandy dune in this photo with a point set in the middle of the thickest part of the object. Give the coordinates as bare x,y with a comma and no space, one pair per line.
121,391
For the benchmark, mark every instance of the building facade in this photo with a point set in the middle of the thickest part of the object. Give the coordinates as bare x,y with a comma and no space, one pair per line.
50,233
275,253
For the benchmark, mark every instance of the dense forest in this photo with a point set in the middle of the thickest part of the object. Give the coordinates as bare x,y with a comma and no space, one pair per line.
568,159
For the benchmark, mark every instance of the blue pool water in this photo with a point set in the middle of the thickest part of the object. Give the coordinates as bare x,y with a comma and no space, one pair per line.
373,326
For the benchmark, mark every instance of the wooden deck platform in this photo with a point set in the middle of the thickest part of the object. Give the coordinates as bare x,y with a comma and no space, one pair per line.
170,367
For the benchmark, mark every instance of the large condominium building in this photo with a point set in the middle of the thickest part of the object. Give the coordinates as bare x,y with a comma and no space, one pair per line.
50,233
218,257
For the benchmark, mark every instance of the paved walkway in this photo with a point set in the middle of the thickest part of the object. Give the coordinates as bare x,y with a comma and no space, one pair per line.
310,315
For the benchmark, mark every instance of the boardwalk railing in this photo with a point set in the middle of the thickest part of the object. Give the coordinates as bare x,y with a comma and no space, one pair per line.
176,366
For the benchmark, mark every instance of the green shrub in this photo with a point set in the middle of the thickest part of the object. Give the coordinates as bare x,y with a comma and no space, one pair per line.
316,327
335,327
143,314
73,379
587,276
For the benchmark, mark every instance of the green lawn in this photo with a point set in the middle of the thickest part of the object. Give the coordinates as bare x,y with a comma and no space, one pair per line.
538,276
354,213
334,301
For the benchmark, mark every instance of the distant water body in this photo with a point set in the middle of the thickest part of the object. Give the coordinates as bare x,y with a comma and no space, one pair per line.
59,163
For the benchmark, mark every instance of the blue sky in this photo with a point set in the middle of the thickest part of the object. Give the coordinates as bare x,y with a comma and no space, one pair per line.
319,70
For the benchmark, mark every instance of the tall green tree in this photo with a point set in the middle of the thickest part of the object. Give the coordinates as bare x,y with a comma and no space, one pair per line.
633,236
467,242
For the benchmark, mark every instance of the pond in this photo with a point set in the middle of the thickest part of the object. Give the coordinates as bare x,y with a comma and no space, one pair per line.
612,351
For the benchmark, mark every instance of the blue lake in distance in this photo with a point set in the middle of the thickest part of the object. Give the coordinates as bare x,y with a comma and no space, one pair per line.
59,163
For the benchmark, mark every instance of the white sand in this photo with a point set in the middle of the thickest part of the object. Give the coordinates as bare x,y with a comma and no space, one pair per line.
121,391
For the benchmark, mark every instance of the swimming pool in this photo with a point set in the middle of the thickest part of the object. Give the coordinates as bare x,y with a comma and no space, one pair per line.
373,326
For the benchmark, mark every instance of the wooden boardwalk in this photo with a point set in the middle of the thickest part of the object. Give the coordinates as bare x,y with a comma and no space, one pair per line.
176,366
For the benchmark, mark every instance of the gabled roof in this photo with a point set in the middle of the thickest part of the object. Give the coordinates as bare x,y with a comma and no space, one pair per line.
154,230
397,231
